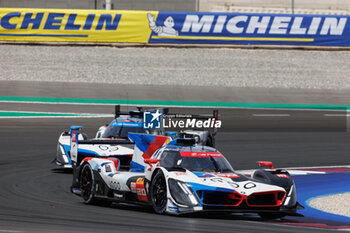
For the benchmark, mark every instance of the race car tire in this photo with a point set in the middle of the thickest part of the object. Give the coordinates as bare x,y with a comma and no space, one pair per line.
87,184
88,187
159,193
268,216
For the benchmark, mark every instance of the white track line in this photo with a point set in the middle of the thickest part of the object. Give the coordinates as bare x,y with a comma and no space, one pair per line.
11,231
296,170
337,166
271,115
64,115
336,115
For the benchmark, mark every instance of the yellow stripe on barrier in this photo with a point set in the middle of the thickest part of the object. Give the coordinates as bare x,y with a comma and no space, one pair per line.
24,24
233,38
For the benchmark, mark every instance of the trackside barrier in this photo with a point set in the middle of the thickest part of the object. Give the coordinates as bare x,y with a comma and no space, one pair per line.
173,27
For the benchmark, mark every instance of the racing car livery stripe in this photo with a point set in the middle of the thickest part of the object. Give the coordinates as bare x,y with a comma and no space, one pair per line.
81,101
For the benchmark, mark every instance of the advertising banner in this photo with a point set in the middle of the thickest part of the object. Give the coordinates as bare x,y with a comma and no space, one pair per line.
173,27
74,25
246,29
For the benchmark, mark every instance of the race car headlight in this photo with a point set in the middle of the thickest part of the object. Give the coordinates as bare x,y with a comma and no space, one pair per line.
182,193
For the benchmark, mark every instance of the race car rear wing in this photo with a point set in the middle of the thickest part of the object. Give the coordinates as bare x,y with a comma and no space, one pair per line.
136,114
214,116
139,113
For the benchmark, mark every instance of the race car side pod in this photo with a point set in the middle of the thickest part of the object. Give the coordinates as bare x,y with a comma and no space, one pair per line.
74,132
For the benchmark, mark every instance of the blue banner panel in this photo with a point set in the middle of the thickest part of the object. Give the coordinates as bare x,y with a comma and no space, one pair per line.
249,29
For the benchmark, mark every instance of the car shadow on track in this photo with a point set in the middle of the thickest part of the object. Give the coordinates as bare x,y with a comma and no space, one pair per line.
202,215
62,171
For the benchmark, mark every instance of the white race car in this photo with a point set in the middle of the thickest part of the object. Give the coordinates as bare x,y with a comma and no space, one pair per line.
178,176
112,139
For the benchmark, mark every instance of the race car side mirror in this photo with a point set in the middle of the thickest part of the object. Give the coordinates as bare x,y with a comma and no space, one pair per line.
265,164
151,161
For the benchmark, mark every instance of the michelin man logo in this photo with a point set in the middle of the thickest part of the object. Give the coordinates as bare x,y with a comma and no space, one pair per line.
166,30
152,120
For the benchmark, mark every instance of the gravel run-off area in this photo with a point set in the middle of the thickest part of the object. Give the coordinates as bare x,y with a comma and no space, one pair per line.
340,204
266,68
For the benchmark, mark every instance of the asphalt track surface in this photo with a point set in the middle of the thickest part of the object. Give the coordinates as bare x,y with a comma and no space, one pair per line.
35,199
186,93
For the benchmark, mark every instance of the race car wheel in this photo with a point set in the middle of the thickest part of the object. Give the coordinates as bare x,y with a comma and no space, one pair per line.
87,184
159,193
271,215
88,187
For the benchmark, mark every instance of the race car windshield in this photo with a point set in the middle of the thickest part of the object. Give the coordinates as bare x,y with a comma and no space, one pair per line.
121,131
173,159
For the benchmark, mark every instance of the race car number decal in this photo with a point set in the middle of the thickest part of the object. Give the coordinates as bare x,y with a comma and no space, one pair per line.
141,193
140,189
